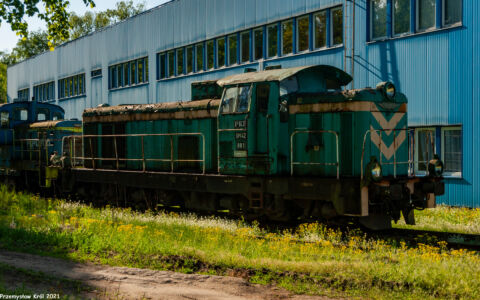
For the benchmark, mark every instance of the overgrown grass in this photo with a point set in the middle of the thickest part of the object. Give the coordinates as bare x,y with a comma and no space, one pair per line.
449,219
329,262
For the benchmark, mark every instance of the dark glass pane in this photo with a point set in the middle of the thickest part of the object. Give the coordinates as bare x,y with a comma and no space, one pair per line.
453,11
303,33
163,67
425,146
141,70
180,61
401,10
379,18
258,40
287,37
337,26
426,14
125,74
452,150
189,59
245,38
232,49
210,55
221,52
272,34
145,66
81,87
321,30
171,63
199,57
120,75
133,72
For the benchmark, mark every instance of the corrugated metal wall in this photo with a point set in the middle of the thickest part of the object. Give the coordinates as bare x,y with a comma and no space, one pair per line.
438,71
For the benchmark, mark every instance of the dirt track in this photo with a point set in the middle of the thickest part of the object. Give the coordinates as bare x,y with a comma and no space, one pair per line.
131,283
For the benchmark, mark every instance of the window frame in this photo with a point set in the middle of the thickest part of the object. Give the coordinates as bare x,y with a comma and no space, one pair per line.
380,38
314,26
282,45
442,136
249,39
459,23
309,38
254,43
217,56
332,38
417,18
409,31
415,157
276,40
67,86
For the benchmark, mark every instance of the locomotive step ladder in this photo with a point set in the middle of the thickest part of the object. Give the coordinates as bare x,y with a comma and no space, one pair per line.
255,195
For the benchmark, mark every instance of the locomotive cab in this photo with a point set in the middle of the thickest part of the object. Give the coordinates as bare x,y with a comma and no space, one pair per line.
253,118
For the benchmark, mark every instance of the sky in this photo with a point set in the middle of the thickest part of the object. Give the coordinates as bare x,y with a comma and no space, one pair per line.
8,39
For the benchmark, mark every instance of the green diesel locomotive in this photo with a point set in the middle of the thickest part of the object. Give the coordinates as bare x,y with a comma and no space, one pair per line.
280,144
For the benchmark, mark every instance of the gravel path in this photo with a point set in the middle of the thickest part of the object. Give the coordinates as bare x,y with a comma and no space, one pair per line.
131,283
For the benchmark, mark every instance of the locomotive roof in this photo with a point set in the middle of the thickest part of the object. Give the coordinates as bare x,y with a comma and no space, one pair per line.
56,123
328,72
137,112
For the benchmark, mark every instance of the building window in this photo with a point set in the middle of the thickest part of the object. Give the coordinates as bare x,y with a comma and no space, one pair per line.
245,42
452,151
180,61
424,148
162,65
130,73
210,55
221,52
379,18
189,59
320,30
272,35
199,53
23,94
171,63
452,12
72,86
44,92
287,37
258,43
303,33
232,49
337,26
5,119
401,17
426,10
96,73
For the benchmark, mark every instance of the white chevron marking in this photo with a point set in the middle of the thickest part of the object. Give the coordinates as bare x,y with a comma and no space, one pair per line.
387,151
388,125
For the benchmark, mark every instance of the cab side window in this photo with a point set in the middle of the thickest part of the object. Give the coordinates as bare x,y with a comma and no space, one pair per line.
57,116
21,114
42,114
263,92
4,119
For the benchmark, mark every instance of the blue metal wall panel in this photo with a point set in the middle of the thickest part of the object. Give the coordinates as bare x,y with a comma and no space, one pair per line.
438,71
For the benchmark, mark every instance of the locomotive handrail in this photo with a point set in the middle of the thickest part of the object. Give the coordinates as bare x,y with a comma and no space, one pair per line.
411,162
143,159
293,163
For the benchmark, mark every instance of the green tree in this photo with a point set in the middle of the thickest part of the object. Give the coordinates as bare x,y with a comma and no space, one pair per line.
90,22
3,83
54,14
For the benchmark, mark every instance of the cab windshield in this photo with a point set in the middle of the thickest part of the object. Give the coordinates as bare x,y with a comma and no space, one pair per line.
236,100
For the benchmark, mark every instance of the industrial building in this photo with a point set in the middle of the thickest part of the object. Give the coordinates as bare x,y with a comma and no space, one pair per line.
428,48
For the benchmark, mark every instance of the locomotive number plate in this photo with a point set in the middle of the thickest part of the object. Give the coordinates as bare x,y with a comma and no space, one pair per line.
240,135
241,145
240,124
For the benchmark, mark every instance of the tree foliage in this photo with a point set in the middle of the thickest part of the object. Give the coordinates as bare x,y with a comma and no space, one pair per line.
36,42
90,22
3,83
54,13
